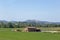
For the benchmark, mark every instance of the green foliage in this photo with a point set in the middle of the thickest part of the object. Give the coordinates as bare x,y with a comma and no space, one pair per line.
25,24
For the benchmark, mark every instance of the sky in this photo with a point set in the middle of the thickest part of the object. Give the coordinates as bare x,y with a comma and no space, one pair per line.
20,10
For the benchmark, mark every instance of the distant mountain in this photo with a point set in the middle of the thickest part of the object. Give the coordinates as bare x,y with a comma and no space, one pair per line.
41,22
32,22
3,21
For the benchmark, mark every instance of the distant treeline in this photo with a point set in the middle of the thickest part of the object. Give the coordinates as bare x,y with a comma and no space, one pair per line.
25,24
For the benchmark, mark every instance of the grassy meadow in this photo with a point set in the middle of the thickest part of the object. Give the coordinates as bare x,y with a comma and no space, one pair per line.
7,34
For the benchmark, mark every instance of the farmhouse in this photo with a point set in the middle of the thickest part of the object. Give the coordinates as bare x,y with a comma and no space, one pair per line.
31,29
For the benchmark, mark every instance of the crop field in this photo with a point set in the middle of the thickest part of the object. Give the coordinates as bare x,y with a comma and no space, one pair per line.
7,34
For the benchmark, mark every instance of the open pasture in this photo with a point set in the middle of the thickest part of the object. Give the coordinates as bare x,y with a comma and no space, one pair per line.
7,34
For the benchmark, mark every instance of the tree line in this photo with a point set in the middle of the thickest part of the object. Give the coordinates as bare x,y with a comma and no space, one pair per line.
25,24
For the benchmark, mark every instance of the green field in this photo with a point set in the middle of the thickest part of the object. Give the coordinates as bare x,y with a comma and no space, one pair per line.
7,34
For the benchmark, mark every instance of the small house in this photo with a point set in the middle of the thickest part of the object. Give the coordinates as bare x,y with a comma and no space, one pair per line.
31,29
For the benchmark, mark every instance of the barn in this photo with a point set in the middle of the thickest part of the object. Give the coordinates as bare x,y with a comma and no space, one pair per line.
31,29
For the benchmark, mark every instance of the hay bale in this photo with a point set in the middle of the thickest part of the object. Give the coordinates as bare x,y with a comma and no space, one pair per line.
16,30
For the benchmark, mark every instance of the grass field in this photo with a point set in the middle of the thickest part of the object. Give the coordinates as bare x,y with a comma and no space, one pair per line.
7,34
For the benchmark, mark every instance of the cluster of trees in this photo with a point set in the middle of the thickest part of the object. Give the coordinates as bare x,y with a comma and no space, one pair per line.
25,24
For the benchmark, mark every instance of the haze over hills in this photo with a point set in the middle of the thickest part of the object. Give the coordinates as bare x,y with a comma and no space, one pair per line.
32,21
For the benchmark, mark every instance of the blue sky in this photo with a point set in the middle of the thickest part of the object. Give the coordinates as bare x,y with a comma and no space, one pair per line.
20,10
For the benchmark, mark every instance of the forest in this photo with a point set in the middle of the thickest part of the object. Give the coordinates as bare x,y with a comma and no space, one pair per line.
19,24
